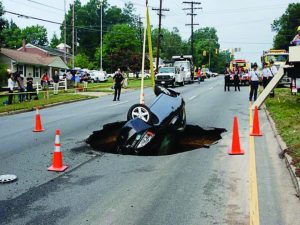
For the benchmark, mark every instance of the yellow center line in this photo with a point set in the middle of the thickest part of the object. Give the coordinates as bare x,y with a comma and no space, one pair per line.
254,209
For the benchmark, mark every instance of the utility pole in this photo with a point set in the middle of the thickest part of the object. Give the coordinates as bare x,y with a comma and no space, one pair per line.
192,24
140,25
73,35
160,10
65,33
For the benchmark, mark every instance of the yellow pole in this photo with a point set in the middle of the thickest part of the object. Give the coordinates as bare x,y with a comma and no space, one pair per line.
142,100
150,47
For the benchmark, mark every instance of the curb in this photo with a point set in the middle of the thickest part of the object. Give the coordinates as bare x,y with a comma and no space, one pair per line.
283,154
42,107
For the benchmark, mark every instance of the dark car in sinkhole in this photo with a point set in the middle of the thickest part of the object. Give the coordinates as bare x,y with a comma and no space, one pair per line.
146,128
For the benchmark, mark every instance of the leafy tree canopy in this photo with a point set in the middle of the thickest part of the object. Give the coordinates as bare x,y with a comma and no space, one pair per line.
286,26
54,41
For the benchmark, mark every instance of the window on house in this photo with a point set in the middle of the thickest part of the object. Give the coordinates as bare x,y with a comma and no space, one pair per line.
20,69
36,72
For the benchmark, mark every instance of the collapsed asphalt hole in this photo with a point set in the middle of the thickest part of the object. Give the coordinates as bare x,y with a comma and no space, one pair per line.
172,142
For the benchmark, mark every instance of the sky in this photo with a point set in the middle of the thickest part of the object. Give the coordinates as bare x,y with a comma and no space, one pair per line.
240,24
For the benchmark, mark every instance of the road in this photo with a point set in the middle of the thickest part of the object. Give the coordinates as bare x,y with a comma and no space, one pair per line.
204,186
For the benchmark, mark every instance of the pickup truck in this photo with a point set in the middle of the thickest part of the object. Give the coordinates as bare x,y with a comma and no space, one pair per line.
169,76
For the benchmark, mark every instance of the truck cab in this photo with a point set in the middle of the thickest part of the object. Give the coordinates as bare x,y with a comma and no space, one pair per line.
169,76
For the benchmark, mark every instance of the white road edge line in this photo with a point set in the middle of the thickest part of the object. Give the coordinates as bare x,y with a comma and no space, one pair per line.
191,98
211,88
121,103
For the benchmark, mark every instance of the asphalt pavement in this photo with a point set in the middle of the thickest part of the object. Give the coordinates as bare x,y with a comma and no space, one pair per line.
204,186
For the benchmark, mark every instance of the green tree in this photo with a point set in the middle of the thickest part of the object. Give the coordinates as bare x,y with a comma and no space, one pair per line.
121,48
12,35
36,35
286,26
206,39
87,22
54,41
2,23
82,61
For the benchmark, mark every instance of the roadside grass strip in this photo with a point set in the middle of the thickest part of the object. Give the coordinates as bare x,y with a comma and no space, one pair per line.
285,111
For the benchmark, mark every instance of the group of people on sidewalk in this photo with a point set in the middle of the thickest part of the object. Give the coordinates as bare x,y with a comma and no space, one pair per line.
236,77
26,92
254,78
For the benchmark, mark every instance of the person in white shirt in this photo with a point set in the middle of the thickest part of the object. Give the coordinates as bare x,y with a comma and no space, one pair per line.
254,79
266,72
273,71
11,85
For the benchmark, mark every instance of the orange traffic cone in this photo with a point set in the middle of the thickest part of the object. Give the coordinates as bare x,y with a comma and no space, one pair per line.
255,125
57,163
38,122
236,147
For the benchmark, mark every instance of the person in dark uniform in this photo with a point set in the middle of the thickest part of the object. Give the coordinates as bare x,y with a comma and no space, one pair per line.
118,82
236,79
227,78
29,87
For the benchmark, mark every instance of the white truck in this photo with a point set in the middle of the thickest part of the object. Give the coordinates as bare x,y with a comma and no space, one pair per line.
185,63
169,76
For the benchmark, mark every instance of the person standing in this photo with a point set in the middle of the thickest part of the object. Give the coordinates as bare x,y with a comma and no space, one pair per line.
273,71
11,85
266,74
55,78
236,79
227,78
118,82
29,86
21,86
254,80
296,40
199,75
45,84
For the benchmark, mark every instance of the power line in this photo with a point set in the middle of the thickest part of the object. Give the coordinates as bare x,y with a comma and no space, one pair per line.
160,10
48,6
192,24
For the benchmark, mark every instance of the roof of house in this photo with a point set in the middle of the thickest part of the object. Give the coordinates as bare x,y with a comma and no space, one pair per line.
46,49
30,58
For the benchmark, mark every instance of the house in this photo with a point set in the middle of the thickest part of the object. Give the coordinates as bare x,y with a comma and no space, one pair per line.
48,51
26,62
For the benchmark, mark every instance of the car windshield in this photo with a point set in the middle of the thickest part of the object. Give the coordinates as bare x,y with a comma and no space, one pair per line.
241,64
167,70
278,58
184,64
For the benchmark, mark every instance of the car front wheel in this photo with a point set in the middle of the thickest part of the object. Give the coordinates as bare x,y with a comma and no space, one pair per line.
140,111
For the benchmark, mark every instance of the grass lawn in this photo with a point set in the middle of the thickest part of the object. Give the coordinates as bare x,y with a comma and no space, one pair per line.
106,86
61,97
285,110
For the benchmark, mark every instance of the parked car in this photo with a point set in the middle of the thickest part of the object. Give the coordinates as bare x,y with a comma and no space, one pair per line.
147,126
206,73
169,76
97,76
245,78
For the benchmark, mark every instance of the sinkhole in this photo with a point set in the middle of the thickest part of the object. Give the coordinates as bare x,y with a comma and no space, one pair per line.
166,143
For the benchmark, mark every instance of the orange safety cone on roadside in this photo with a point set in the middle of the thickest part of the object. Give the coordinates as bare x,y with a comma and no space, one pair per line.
57,163
236,147
38,122
255,126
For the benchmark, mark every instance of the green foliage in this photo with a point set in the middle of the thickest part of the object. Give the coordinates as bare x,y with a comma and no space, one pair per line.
87,22
121,48
171,43
36,35
3,75
54,41
286,26
82,61
2,22
12,35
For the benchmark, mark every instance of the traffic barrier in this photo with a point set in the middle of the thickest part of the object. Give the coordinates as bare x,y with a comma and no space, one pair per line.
38,122
236,147
255,126
57,162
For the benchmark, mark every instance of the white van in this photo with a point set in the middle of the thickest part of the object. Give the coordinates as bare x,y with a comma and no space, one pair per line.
185,65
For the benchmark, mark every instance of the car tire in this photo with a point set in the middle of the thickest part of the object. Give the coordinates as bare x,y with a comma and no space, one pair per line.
140,111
